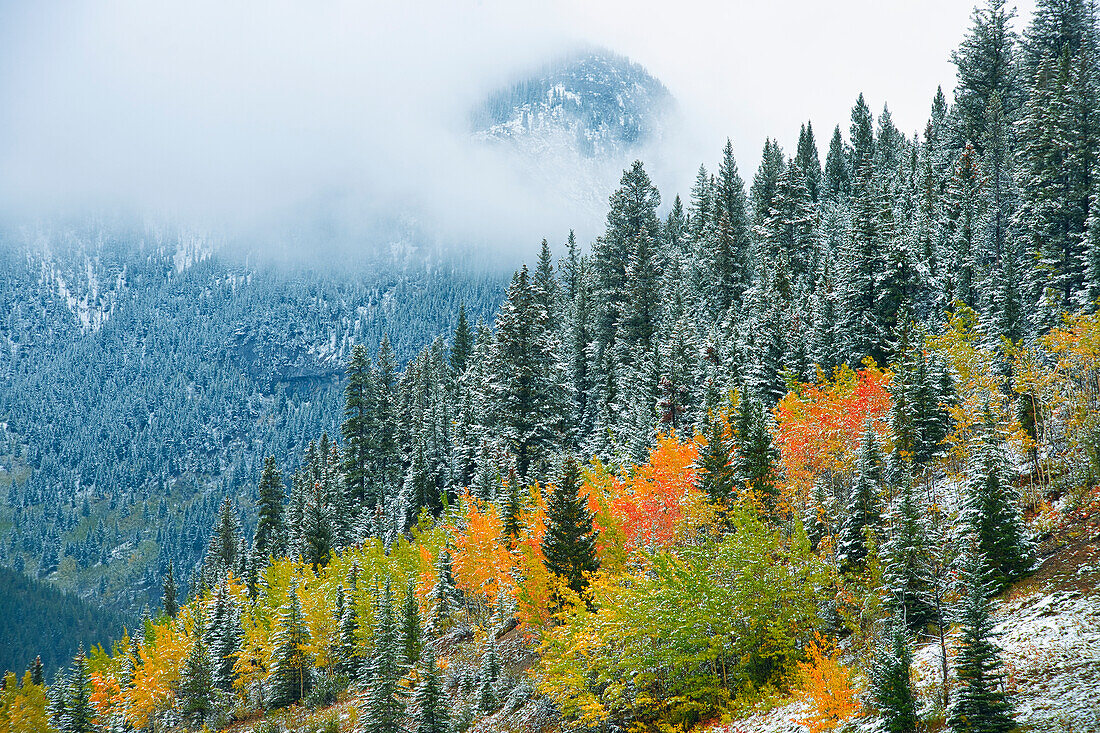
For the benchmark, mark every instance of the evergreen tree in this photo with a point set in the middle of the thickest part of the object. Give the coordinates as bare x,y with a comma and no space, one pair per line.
992,515
756,457
270,537
987,68
291,670
891,682
715,469
528,385
444,595
432,715
384,707
569,545
487,701
224,637
358,427
410,627
75,713
905,553
197,682
349,654
863,514
168,602
809,161
980,702
722,252
838,177
463,344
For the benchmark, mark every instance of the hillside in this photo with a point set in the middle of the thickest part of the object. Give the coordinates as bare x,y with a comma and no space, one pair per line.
36,619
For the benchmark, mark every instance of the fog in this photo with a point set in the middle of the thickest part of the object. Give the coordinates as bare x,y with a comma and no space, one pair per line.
303,123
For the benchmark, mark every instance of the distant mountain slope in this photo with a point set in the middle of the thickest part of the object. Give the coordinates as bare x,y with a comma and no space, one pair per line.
601,103
573,126
37,619
147,374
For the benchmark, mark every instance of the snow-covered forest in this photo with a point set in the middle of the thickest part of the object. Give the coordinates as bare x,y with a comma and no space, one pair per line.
815,449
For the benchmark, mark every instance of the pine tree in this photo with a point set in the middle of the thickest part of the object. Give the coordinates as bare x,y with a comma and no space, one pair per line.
980,703
197,682
463,343
291,670
754,468
432,715
410,627
891,682
992,515
358,427
384,705
168,601
270,537
862,517
569,545
487,701
75,713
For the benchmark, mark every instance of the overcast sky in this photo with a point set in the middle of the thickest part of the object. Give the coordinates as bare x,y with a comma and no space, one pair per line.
238,109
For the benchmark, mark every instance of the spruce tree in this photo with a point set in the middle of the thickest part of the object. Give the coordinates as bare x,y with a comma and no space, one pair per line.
809,161
76,713
224,637
754,468
411,642
905,554
863,514
197,682
987,66
430,698
348,652
487,701
291,670
715,474
992,515
462,345
270,537
384,706
168,600
358,427
891,681
443,597
569,545
980,703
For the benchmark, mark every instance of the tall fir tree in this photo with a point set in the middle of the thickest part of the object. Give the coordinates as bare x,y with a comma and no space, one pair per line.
269,539
291,669
980,703
891,679
569,545
430,699
168,599
862,517
384,705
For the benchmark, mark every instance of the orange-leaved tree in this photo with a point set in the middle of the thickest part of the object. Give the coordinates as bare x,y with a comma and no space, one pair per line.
826,688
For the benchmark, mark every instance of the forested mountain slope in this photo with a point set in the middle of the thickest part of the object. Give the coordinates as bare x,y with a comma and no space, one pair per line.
147,374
